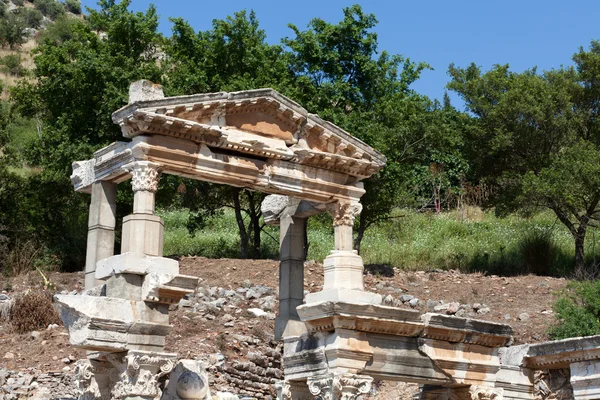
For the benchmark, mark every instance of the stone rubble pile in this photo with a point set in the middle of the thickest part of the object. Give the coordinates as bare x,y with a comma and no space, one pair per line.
34,384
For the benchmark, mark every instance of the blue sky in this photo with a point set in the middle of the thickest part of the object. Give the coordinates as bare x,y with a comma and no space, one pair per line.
523,33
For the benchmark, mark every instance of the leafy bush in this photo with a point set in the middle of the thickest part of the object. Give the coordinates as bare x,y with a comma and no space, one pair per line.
33,311
18,2
32,17
577,311
73,6
50,8
11,64
12,30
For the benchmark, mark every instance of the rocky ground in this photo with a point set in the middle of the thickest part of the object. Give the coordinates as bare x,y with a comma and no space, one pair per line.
228,323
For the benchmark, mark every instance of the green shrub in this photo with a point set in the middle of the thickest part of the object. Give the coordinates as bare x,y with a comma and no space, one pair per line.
32,17
577,311
11,64
18,2
73,6
50,8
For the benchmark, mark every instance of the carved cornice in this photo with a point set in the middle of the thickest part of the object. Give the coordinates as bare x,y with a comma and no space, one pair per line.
144,175
344,213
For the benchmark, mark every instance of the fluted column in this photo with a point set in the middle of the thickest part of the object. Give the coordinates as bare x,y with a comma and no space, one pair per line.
143,231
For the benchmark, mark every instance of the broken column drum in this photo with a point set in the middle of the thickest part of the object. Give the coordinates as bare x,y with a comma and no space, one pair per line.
255,139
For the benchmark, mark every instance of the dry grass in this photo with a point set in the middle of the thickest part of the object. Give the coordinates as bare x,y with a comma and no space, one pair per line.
32,311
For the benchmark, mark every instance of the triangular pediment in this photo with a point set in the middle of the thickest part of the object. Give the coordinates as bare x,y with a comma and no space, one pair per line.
259,123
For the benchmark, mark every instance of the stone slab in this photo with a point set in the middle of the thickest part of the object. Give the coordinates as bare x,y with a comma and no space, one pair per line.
135,263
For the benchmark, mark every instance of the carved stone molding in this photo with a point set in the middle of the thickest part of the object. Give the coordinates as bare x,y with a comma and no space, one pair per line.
344,213
486,393
140,373
342,387
144,175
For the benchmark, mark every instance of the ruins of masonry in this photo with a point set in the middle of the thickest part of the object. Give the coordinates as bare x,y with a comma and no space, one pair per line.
336,341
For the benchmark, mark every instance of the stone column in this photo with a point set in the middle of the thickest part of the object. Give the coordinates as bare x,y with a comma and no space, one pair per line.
339,387
291,276
101,228
343,267
143,231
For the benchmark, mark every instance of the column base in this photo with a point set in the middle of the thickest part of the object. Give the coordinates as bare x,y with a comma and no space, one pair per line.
344,295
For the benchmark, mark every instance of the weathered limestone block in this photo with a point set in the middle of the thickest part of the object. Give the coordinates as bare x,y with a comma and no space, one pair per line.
585,379
94,379
113,325
188,380
167,289
144,90
135,263
516,380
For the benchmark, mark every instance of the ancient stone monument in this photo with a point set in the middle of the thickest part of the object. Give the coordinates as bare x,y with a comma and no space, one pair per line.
336,341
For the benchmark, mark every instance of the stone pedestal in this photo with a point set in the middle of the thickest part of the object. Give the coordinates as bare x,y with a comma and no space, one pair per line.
101,228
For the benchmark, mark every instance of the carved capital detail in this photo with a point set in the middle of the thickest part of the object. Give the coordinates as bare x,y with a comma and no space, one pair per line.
344,213
343,387
322,386
283,390
88,387
352,386
486,393
144,175
140,375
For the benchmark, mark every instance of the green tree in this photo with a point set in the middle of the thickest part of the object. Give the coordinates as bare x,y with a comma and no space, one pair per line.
536,139
233,55
80,79
73,6
341,76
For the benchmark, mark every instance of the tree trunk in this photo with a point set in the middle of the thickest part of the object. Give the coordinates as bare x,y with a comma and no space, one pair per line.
306,243
580,272
240,222
254,224
362,227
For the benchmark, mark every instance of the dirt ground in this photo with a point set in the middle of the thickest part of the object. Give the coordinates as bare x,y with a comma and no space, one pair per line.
507,297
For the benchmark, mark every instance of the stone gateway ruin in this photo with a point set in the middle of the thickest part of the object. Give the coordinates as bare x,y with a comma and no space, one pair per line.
336,341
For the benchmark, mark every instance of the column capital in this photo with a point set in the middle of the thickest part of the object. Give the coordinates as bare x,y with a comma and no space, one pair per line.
342,387
144,175
486,393
140,374
344,213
